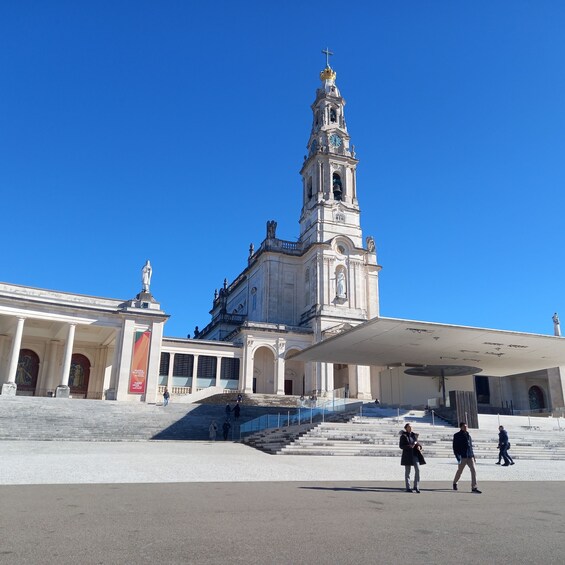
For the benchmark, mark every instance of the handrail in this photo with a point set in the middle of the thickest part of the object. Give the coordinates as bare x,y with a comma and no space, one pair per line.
303,415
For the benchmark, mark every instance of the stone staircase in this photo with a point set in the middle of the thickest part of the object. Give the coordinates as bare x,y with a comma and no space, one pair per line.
378,436
274,440
264,400
40,418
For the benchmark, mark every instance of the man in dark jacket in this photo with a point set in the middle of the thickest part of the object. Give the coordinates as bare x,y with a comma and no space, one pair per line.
503,445
463,450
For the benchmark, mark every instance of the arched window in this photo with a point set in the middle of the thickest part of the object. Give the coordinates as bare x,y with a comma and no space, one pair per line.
79,374
535,395
309,187
27,371
333,115
337,187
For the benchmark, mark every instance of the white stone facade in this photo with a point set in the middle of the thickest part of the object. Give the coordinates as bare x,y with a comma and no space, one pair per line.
55,327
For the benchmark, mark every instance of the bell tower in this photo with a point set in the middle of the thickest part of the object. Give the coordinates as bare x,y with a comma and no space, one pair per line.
330,206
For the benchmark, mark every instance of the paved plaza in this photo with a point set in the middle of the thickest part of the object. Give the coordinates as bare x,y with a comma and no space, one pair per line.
178,462
207,503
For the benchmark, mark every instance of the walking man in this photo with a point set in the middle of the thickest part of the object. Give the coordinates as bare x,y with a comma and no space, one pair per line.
463,450
503,446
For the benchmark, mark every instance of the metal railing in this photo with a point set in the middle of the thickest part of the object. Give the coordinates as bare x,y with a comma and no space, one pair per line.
295,417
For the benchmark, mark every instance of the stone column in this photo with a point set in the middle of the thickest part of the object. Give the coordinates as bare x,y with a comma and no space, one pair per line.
152,382
9,388
324,377
52,360
218,370
247,384
556,386
125,357
111,376
194,383
63,389
170,372
280,366
3,373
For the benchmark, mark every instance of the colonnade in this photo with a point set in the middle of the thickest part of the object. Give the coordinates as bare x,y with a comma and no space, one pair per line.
9,388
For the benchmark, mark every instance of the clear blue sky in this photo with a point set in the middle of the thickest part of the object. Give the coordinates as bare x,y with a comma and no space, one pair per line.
174,130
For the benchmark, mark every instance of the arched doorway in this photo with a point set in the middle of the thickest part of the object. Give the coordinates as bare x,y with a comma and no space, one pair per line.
536,398
27,371
264,371
79,375
294,376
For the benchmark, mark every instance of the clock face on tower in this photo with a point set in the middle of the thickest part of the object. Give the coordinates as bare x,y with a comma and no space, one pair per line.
335,140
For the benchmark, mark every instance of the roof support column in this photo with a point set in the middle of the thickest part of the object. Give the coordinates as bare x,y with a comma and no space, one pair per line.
63,389
9,388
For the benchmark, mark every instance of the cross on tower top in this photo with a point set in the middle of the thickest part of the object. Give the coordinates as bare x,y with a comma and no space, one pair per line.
327,53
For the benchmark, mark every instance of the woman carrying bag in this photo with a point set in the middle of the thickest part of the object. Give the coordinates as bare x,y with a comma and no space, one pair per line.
411,457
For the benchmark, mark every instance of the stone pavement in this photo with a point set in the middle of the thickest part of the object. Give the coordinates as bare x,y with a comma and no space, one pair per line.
279,523
29,463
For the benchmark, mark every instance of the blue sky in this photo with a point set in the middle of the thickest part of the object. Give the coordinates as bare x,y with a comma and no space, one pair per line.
174,130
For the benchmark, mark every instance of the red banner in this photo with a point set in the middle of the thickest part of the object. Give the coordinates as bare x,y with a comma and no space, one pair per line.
139,361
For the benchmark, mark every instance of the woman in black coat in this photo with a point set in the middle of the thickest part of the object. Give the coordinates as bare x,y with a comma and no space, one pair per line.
411,457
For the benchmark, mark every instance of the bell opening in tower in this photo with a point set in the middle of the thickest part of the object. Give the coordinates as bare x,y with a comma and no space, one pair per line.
337,188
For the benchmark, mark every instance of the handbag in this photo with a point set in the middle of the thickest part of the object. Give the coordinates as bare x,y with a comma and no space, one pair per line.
421,459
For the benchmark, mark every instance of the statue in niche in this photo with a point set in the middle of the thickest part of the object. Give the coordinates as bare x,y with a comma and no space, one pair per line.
340,285
146,273
271,229
370,244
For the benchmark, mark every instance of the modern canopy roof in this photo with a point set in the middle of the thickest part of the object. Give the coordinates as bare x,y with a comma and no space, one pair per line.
393,342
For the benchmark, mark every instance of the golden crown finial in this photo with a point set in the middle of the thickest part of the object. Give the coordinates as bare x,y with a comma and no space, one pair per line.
327,74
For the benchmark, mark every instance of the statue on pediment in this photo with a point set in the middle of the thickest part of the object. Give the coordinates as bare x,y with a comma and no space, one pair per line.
146,273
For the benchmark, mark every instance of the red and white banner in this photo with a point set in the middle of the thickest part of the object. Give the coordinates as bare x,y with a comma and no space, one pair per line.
139,362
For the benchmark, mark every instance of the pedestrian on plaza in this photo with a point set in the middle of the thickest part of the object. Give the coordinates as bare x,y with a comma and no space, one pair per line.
212,430
411,457
226,429
239,397
463,450
166,397
236,411
228,411
503,447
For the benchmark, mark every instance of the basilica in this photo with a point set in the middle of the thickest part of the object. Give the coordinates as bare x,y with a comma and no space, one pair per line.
301,318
